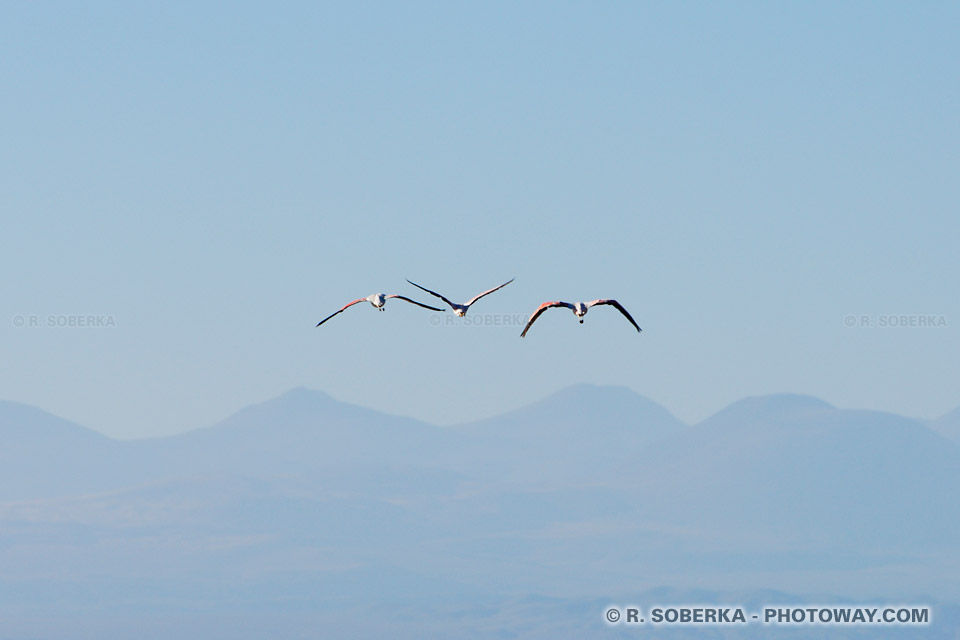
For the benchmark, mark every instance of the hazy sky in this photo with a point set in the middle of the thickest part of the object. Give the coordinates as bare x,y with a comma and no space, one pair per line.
209,180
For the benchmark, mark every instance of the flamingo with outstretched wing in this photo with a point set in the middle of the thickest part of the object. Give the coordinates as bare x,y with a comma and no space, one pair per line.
580,309
461,309
378,300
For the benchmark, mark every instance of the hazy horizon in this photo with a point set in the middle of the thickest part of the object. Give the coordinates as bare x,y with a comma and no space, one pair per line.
471,419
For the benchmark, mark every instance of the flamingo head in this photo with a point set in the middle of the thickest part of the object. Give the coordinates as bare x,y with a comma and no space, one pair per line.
460,311
377,300
580,310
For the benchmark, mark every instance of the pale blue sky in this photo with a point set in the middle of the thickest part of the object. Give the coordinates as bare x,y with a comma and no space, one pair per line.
217,178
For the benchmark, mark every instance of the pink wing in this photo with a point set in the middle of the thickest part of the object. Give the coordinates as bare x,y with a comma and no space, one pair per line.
341,310
488,291
543,307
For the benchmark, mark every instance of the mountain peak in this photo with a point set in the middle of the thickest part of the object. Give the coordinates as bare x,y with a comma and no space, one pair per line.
297,401
303,394
582,407
771,407
587,389
297,405
20,421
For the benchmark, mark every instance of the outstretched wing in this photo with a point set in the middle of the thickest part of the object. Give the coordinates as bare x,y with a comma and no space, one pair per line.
419,304
614,303
475,298
341,310
433,293
543,307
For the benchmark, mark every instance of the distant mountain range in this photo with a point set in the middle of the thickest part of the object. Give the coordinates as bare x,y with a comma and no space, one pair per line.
580,434
304,501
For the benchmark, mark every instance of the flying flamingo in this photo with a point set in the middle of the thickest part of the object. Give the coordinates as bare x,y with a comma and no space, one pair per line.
377,300
461,309
580,309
